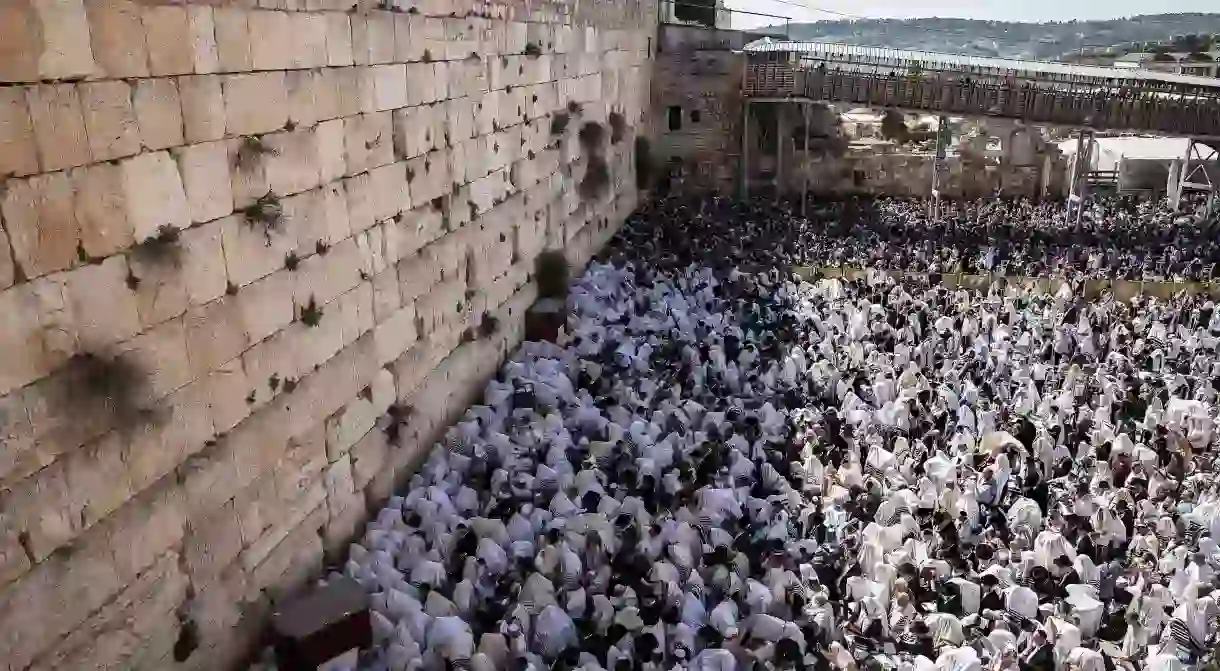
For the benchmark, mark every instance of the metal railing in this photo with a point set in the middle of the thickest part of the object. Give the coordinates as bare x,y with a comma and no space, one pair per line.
1094,107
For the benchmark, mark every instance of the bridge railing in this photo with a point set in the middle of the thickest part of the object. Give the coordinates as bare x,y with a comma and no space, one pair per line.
1095,107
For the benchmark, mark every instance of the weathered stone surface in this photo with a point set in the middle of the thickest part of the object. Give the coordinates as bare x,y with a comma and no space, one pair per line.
59,126
167,33
203,108
18,150
159,111
415,186
153,194
116,31
40,217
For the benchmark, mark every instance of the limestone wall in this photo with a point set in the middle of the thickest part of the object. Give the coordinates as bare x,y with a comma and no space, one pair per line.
233,235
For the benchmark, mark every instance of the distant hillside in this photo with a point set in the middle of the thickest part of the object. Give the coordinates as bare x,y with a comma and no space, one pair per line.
1010,40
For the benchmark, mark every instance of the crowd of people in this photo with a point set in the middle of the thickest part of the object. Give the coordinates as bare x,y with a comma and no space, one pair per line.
1116,238
719,467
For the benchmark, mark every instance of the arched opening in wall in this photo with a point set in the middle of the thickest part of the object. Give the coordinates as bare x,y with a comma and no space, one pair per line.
696,11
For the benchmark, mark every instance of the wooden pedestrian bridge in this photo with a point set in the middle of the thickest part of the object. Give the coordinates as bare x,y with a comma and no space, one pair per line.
1085,97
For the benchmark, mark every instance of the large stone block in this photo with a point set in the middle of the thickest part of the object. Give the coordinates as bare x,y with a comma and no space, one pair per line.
117,37
103,308
159,111
40,217
338,39
185,430
59,126
110,120
332,150
271,40
266,305
302,101
309,49
160,353
18,150
390,86
26,354
205,175
379,37
418,130
324,278
292,167
233,39
429,176
255,103
167,33
203,263
205,54
251,252
369,141
214,334
212,543
159,287
203,108
391,190
31,620
119,635
43,40
153,194
228,391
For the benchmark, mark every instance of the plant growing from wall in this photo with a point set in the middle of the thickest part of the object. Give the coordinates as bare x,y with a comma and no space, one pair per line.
533,50
311,314
101,385
596,180
489,325
592,136
618,127
553,273
574,107
395,420
250,152
161,250
559,123
266,212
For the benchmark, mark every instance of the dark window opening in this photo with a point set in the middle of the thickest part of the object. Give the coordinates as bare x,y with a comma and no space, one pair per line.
695,116
697,11
675,118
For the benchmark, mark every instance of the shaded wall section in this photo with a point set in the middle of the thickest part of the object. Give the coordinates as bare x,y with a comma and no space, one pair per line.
232,237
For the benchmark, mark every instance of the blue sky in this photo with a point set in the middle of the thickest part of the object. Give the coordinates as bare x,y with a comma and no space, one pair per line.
995,10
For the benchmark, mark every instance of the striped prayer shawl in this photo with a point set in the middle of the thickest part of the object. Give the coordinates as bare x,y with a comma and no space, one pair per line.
896,516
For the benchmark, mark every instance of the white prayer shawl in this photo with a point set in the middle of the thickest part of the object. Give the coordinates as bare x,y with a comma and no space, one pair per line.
959,659
1051,544
1064,635
1086,608
946,629
1022,601
1025,512
1083,659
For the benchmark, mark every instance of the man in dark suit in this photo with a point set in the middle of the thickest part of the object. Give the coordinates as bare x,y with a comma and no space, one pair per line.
1039,654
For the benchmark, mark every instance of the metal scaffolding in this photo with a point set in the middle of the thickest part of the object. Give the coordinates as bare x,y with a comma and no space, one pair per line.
1191,173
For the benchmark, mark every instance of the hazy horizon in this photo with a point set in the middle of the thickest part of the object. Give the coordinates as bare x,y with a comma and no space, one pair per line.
1029,11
